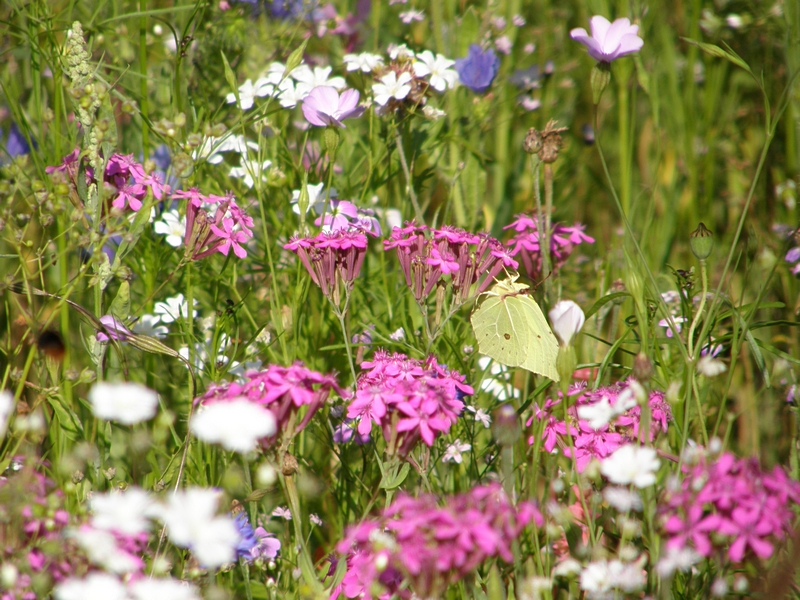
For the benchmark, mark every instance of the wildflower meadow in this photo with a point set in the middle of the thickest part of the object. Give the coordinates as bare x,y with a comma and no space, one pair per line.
399,299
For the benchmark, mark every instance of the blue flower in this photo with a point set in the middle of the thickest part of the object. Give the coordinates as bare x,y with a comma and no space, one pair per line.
291,9
478,69
254,543
17,145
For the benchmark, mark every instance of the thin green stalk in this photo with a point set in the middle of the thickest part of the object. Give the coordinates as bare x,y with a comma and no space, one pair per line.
540,217
409,182
143,109
694,348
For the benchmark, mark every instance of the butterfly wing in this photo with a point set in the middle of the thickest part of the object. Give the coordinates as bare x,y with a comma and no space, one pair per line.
495,326
541,346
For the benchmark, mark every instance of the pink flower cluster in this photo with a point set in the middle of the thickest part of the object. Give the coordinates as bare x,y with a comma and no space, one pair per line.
33,531
429,546
408,399
226,230
283,390
426,255
333,259
731,506
525,243
589,442
126,180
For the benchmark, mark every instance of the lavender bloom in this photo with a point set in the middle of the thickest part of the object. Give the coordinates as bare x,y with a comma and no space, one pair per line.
113,329
254,543
478,69
324,106
17,145
609,41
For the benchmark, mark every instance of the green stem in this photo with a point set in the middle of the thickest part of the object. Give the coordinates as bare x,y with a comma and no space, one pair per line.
409,182
143,109
695,348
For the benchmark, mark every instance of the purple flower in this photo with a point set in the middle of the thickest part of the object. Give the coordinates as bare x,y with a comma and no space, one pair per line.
17,145
254,543
478,69
324,106
113,328
609,41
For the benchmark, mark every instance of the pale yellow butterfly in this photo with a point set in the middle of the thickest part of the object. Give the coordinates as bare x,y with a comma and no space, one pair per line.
511,329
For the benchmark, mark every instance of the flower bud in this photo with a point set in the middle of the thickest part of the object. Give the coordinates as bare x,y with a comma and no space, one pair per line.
642,367
533,141
567,318
701,241
601,75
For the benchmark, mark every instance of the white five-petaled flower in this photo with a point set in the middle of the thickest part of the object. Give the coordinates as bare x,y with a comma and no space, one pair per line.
567,319
125,512
600,413
400,51
454,451
631,464
248,92
124,402
173,309
442,75
171,225
391,86
236,425
364,62
248,170
191,519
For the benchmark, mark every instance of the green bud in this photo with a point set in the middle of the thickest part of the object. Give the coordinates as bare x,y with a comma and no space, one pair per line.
702,242
533,141
601,75
331,137
183,165
566,361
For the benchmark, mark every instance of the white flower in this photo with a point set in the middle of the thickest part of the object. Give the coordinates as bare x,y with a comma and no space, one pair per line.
442,75
600,413
397,335
212,148
236,425
249,92
432,113
412,15
316,198
567,568
173,309
710,366
6,408
454,451
318,76
567,319
192,522
676,559
391,86
400,51
631,464
622,499
249,170
498,386
481,416
125,512
95,586
162,589
599,578
149,325
127,403
364,62
102,549
173,226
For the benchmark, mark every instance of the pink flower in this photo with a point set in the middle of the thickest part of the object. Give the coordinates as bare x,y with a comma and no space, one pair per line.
324,106
231,238
609,41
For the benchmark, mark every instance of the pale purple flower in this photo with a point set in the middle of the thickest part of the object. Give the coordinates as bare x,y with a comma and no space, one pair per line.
412,15
324,106
282,512
609,41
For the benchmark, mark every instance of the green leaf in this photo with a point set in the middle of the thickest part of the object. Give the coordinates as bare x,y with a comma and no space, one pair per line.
605,300
68,420
296,57
720,53
494,587
394,478
230,77
121,305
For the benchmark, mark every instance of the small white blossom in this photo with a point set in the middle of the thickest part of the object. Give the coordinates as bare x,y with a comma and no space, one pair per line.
149,325
315,520
172,225
316,77
173,309
481,416
622,499
631,464
95,586
248,170
439,68
364,62
676,559
391,86
127,403
282,513
162,589
710,366
236,425
567,319
102,549
125,512
248,92
400,51
316,198
454,451
397,335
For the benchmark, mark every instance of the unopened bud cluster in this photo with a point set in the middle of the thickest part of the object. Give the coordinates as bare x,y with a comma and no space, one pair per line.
547,143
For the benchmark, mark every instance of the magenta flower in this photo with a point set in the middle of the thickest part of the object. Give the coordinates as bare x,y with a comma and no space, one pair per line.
113,328
324,106
609,41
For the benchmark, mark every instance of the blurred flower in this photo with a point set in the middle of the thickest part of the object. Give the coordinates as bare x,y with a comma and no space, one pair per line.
6,408
316,197
149,325
503,44
481,416
324,106
412,15
600,579
364,62
439,69
500,385
609,41
190,517
16,145
104,550
249,170
125,512
710,366
249,92
236,424
631,464
125,402
391,86
623,500
400,51
676,559
308,78
518,21
478,69
162,589
315,520
173,226
95,586
282,512
454,451
672,322
567,319
255,543
174,308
